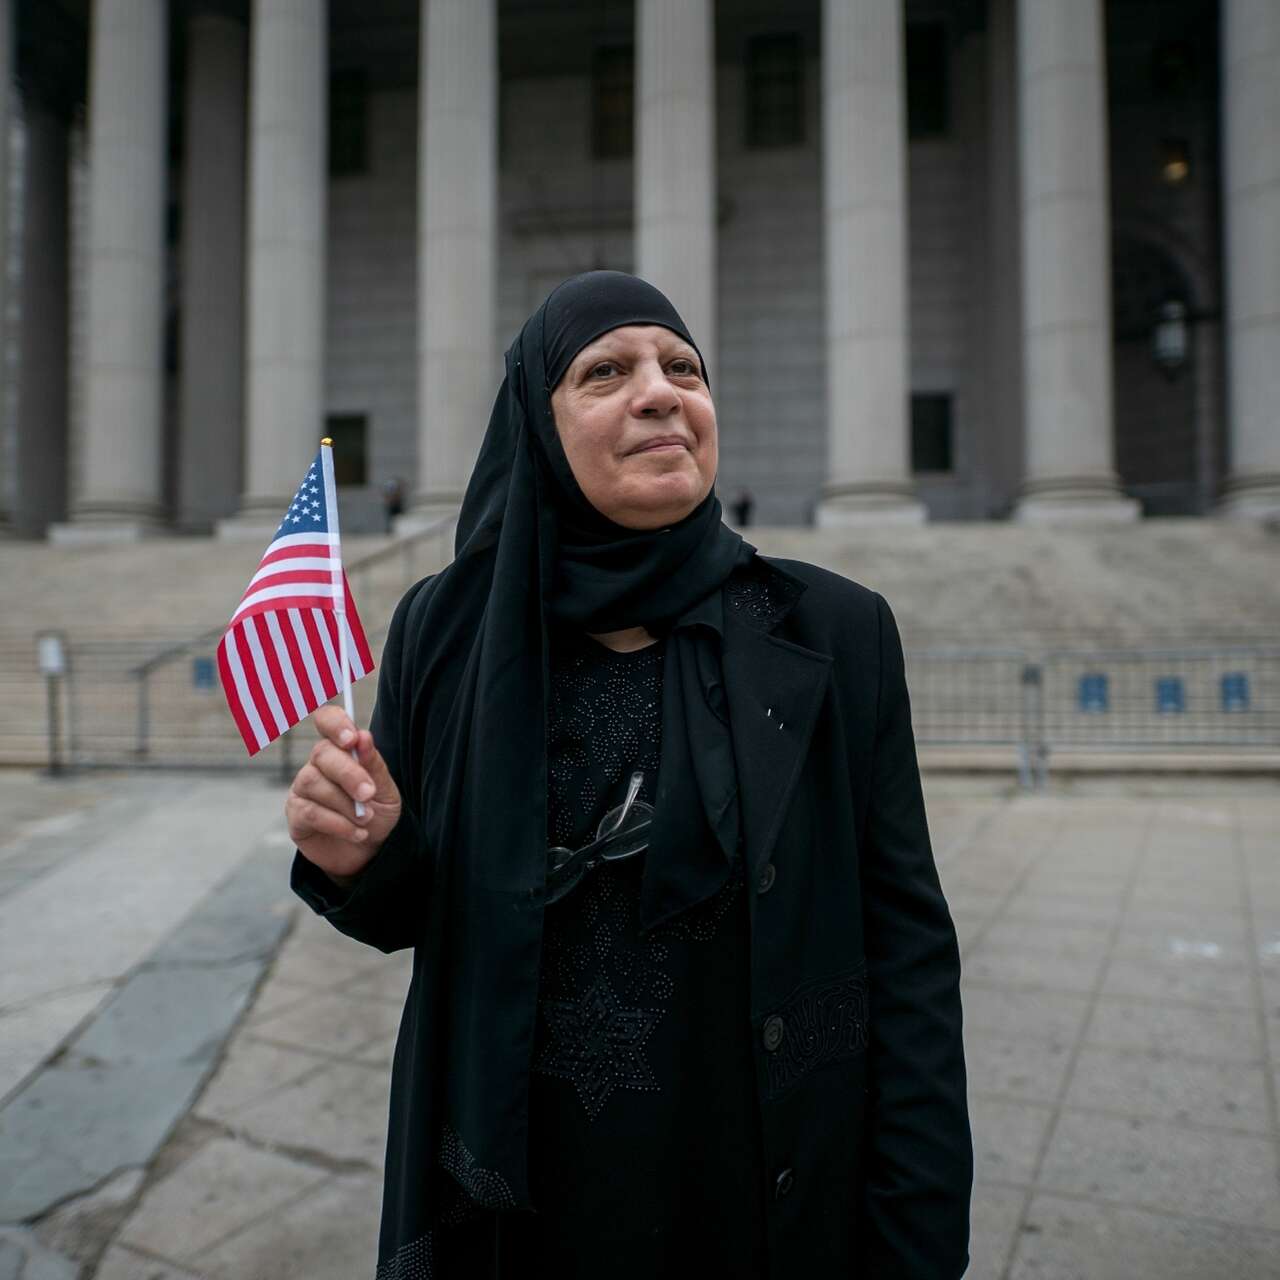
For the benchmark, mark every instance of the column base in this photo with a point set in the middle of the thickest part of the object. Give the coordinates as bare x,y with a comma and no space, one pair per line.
1075,500
247,528
104,530
869,504
1251,498
256,521
427,509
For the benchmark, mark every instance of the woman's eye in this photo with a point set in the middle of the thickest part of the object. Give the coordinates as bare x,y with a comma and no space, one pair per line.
605,367
682,366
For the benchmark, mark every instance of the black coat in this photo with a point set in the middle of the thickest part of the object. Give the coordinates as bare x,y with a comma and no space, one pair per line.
854,964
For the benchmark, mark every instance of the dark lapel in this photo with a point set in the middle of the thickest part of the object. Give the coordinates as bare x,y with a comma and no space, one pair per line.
774,689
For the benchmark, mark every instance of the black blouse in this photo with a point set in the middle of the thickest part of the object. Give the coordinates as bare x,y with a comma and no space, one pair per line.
645,1154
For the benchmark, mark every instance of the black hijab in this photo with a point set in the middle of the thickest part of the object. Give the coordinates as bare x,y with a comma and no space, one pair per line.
532,553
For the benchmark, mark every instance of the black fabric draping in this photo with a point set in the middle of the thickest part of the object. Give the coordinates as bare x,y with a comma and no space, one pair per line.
531,553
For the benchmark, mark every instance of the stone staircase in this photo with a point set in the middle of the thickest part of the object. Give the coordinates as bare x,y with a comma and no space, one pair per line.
1001,589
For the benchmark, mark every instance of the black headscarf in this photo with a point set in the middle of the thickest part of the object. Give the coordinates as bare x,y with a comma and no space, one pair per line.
532,553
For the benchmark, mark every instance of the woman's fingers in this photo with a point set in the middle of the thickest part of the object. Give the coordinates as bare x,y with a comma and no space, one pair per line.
349,775
311,784
309,818
385,790
368,778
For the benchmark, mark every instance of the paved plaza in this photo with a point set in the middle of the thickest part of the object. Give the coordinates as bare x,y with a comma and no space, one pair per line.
194,1069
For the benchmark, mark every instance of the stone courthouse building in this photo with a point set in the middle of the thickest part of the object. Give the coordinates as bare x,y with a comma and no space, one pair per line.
948,259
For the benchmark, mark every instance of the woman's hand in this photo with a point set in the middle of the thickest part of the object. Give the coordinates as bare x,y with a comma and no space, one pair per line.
321,807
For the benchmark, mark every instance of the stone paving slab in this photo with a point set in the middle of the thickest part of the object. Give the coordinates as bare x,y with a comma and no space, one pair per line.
1064,1239
111,889
119,1087
1122,1032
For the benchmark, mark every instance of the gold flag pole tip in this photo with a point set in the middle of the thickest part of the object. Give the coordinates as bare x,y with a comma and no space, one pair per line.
327,440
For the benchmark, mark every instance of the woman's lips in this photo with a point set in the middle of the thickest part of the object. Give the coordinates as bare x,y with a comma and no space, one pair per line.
660,446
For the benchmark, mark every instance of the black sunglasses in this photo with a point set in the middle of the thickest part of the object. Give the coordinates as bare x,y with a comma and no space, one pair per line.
622,833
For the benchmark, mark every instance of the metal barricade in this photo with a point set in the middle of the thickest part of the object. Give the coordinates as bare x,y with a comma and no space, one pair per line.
1152,699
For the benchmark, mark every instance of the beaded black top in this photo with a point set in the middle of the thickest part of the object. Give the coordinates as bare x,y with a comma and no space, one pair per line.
644,1137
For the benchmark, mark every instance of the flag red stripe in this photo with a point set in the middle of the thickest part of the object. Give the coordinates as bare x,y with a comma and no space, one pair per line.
284,577
233,698
296,662
267,640
265,713
317,648
331,626
278,604
353,618
299,551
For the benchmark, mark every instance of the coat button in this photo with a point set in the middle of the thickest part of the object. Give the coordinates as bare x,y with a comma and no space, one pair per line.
767,877
773,1028
783,1183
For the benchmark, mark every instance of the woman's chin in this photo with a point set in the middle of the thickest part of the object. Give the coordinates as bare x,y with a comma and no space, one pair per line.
657,510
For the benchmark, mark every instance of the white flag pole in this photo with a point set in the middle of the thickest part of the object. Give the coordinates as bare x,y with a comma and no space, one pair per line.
339,587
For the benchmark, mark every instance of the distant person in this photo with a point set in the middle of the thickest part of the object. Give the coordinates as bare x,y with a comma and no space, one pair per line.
685,993
393,500
742,507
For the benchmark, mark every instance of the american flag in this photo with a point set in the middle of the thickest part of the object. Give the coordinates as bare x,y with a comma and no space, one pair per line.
281,657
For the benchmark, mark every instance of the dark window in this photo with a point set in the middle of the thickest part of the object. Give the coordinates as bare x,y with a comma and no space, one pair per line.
613,91
1173,69
348,123
928,90
349,432
775,105
931,432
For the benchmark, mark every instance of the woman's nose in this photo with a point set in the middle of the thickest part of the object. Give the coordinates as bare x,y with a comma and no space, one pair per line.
655,396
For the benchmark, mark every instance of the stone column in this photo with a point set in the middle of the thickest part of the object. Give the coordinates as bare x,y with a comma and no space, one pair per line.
211,394
6,89
1066,289
120,498
288,190
1003,295
676,160
1251,207
457,247
43,373
865,233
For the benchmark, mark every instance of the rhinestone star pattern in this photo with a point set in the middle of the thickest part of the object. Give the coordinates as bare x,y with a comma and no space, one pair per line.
597,1044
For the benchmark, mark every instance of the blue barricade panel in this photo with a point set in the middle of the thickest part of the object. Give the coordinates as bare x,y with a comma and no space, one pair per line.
1093,692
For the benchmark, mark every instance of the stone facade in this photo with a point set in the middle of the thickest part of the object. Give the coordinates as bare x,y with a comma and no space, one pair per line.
991,267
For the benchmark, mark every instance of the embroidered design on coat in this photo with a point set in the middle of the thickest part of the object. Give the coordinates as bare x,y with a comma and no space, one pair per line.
822,1022
483,1185
760,593
413,1261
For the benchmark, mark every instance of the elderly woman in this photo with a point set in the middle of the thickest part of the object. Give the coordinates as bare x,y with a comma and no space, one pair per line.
646,805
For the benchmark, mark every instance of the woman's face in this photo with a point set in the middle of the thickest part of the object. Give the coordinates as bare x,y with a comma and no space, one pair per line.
638,427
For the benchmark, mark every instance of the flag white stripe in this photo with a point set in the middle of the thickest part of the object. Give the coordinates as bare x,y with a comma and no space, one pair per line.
322,589
265,678
335,670
242,692
296,564
353,651
308,657
286,665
